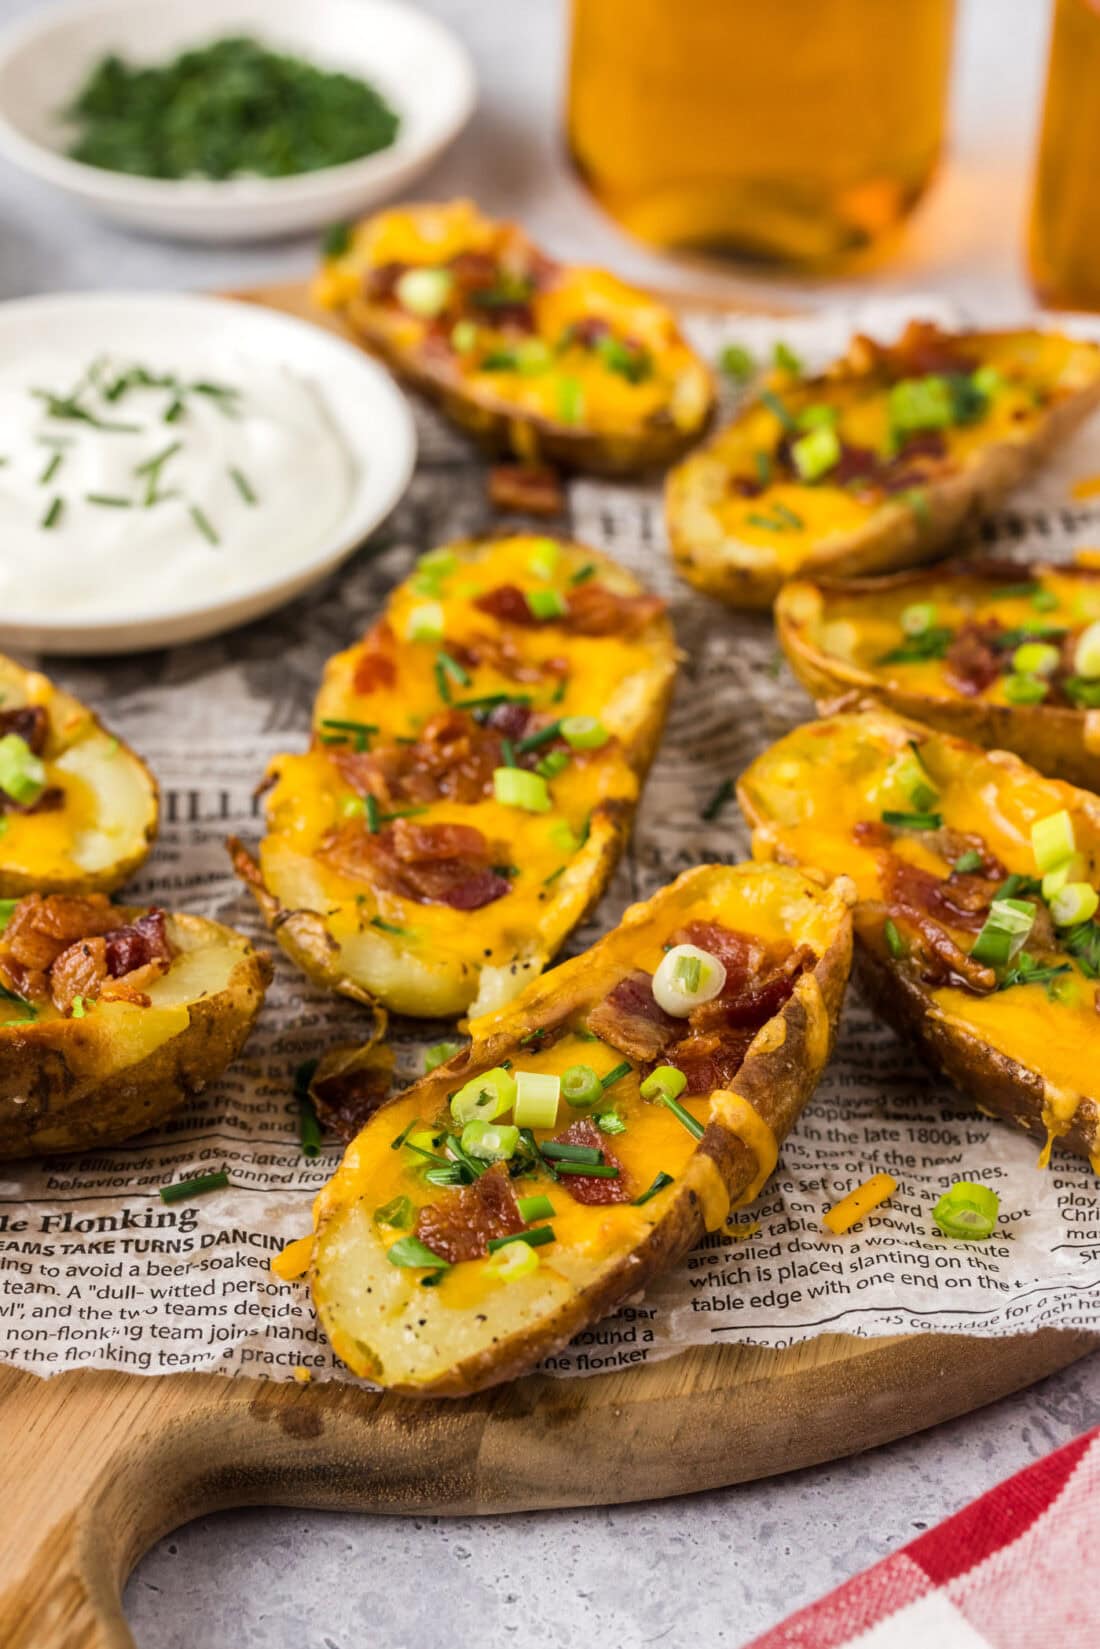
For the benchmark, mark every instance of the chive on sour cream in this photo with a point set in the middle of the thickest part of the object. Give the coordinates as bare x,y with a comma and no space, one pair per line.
135,485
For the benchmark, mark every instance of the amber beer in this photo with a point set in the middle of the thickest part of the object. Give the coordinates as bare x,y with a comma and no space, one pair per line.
798,131
1065,211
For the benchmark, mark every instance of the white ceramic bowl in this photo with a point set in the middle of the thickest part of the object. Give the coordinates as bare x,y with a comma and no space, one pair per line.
362,404
418,65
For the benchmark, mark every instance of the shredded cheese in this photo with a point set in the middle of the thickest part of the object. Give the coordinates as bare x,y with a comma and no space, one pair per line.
859,1203
742,1119
293,1261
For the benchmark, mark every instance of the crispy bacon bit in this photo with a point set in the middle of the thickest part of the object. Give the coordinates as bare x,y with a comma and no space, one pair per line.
380,284
374,668
529,489
972,664
509,720
349,1097
136,945
79,971
632,1020
593,610
595,1190
922,350
501,654
454,757
433,864
872,833
42,926
710,1059
462,1223
30,722
921,892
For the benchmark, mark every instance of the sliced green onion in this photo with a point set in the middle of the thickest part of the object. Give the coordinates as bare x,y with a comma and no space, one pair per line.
78,1011
1053,841
533,357
1025,689
516,1260
817,416
544,557
917,404
967,1211
398,1213
816,453
485,1098
736,362
584,732
536,1101
678,987
918,617
424,292
535,1208
659,1184
438,1054
535,1238
1076,902
545,604
1035,658
490,1142
22,774
1055,880
666,1082
1086,653
515,787
553,763
895,944
1005,932
556,1152
196,1186
911,821
203,523
411,1252
969,862
616,1073
610,1122
570,400
425,622
987,380
581,1087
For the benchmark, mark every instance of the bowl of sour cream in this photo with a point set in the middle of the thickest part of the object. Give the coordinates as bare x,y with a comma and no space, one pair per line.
172,466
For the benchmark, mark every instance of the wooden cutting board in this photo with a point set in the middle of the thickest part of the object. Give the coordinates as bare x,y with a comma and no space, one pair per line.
96,1466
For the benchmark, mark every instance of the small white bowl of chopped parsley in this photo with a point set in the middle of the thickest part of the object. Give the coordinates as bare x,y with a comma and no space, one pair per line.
231,120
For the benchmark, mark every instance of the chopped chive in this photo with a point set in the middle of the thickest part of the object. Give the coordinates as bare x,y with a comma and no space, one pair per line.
560,690
536,1238
174,412
362,730
489,701
373,814
763,468
718,800
970,861
396,1144
240,481
388,927
194,1187
592,1170
202,522
616,1073
589,1154
895,944
309,1127
543,736
442,686
911,821
108,500
775,405
51,469
454,669
402,813
584,573
535,1208
158,459
789,516
692,1125
659,1184
508,753
53,514
767,522
553,876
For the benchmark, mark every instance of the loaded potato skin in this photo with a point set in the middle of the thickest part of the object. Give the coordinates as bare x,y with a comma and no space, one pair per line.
976,880
453,1254
879,463
565,365
475,765
112,1017
78,809
999,652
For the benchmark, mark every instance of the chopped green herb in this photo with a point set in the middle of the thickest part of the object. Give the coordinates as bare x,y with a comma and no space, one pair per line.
968,863
570,1153
931,643
659,1184
53,464
336,240
583,574
241,483
388,927
53,514
775,405
786,359
194,1187
718,800
616,1074
398,1213
763,468
108,500
911,821
736,362
412,1253
895,944
610,1122
202,522
594,1170
536,1238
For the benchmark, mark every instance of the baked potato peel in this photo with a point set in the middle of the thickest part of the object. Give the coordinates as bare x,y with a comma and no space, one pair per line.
878,464
452,1252
112,1017
78,809
975,922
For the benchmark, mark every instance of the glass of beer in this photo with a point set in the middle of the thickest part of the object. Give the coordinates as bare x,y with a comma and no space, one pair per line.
1065,208
798,132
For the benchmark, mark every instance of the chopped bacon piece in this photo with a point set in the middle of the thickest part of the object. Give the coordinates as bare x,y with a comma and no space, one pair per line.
592,610
501,654
972,664
953,844
81,970
739,953
42,926
909,887
453,757
440,864
30,722
462,1223
374,668
595,1190
348,1098
632,1020
710,1059
530,489
922,350
380,284
509,720
141,942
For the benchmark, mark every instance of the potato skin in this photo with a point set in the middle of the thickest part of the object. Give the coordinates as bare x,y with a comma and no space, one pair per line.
778,1076
747,575
28,686
61,1090
1057,740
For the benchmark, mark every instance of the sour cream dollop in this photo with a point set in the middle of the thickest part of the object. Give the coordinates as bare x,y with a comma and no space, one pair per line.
133,487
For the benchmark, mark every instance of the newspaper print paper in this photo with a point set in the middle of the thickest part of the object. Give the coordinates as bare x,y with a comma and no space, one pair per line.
96,1272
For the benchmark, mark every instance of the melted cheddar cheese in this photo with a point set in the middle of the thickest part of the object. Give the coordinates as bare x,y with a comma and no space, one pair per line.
440,958
807,794
675,387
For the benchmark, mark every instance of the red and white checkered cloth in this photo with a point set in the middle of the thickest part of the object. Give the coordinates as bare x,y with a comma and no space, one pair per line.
1016,1569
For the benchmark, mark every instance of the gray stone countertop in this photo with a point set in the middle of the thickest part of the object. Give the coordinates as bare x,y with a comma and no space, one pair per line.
713,1568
